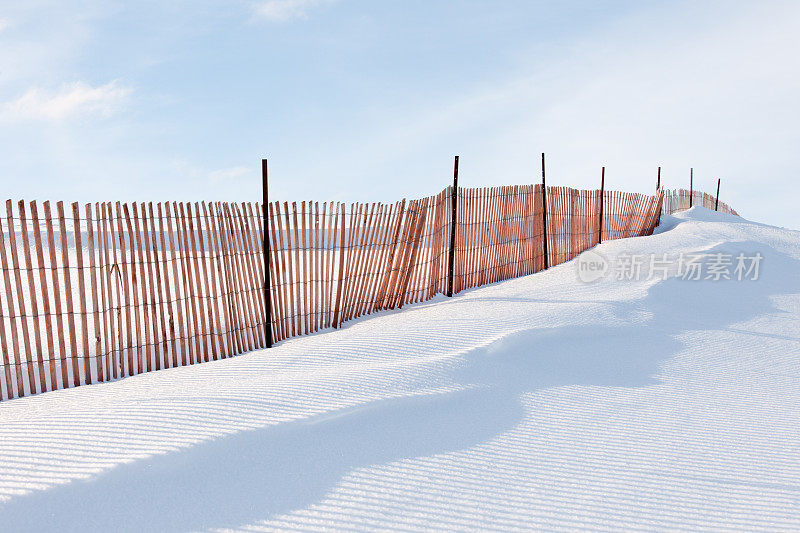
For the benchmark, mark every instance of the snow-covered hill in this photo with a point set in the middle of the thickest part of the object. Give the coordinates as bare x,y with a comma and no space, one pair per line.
540,402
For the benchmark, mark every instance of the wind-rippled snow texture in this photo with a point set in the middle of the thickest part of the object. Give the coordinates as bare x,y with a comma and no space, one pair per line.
539,402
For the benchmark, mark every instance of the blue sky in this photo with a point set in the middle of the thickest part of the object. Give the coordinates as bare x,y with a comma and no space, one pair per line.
369,100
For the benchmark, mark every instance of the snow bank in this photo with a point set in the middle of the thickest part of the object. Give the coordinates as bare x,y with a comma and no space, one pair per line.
539,402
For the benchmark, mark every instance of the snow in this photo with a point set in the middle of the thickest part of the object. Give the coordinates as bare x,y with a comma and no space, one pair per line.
540,402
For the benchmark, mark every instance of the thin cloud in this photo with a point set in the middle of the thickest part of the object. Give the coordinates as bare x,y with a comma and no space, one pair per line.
227,174
284,10
74,99
3,24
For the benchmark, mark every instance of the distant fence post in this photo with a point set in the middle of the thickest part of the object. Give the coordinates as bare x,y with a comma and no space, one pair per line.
691,185
602,195
716,202
265,249
658,181
454,202
544,212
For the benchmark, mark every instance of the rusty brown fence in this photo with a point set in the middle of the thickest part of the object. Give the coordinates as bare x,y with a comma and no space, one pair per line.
96,292
680,200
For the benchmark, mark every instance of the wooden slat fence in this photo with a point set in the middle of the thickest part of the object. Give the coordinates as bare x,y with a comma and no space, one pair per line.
678,200
101,291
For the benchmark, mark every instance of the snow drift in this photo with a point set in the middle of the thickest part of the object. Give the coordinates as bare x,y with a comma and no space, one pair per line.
539,402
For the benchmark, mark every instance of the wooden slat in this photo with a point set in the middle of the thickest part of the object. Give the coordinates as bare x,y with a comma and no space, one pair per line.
211,291
176,305
230,293
491,222
201,334
316,260
119,367
286,279
397,265
341,270
303,233
524,227
358,252
211,330
6,361
135,308
162,322
233,290
183,302
477,221
404,256
241,314
73,340
32,294
297,281
87,375
516,233
253,289
23,315
474,237
48,323
246,311
496,235
255,269
287,265
379,251
419,224
153,341
15,348
364,300
382,299
483,231
369,261
418,276
329,263
320,252
98,348
322,257
142,311
383,265
193,340
255,240
105,290
333,228
436,248
277,271
226,335
351,271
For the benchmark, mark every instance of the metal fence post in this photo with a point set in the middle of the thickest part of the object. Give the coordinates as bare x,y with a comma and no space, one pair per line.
544,213
454,203
716,202
602,196
658,181
691,185
265,249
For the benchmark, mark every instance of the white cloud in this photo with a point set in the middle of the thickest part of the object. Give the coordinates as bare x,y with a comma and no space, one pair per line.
283,10
74,99
227,174
3,24
220,176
